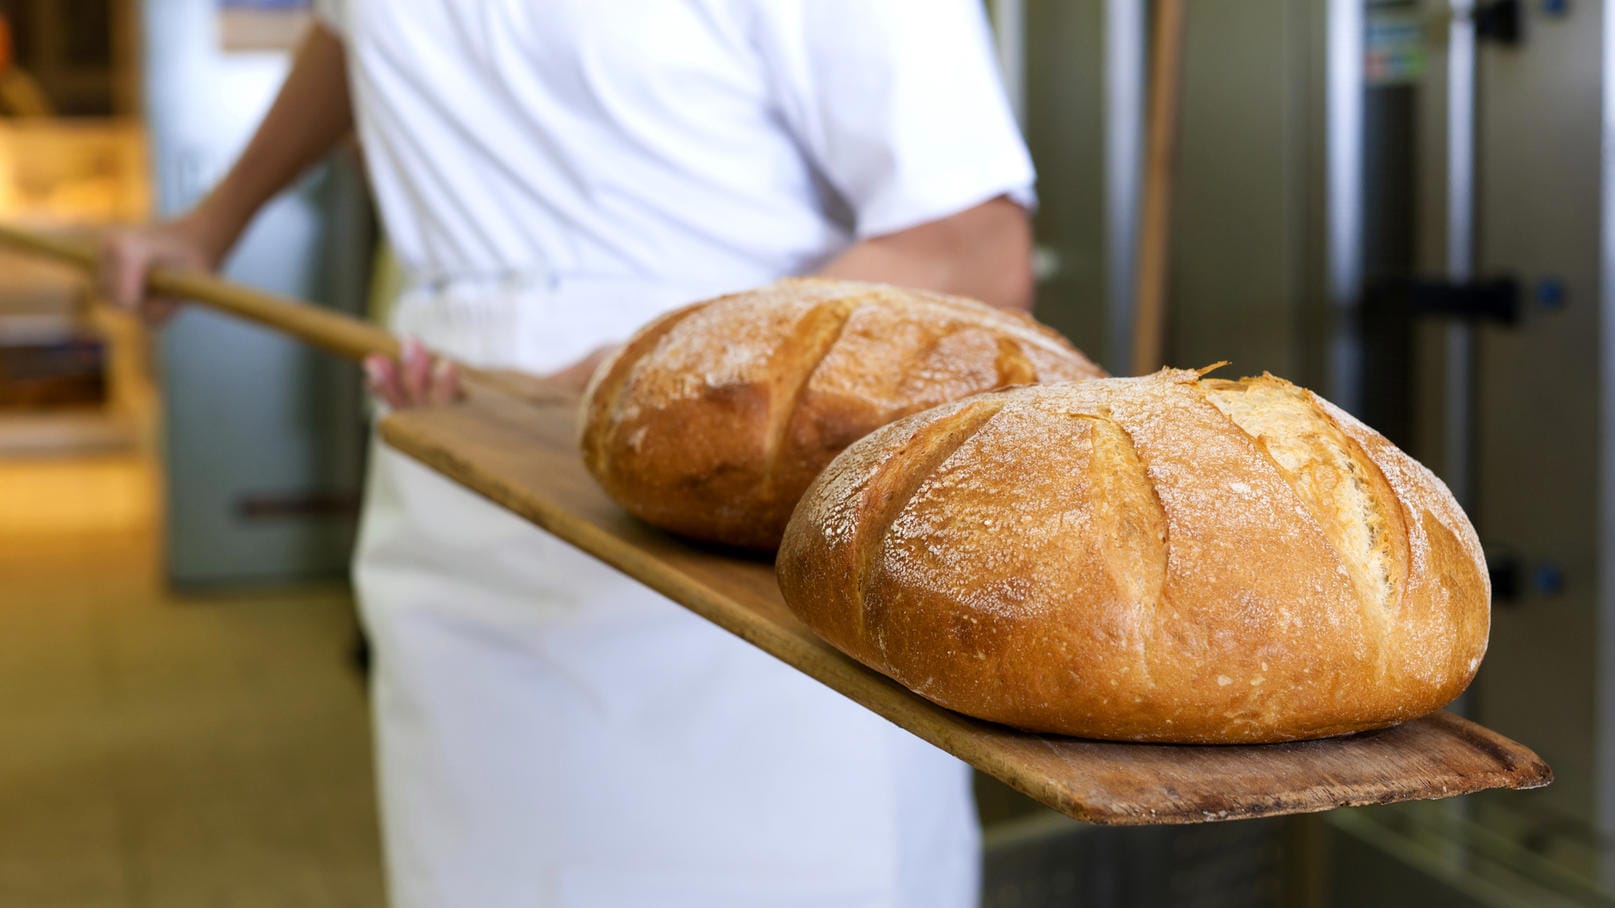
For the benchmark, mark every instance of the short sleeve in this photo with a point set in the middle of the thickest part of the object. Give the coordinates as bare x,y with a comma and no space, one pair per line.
898,102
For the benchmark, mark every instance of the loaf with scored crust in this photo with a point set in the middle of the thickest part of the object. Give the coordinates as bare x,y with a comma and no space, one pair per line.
1166,558
713,419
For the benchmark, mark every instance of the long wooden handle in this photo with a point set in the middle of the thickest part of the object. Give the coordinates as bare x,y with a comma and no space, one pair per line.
340,334
333,331
1166,63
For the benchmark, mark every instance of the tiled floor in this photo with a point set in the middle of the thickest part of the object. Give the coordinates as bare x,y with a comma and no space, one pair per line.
161,751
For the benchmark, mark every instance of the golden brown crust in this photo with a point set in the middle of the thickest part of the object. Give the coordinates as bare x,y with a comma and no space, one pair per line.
1148,559
713,419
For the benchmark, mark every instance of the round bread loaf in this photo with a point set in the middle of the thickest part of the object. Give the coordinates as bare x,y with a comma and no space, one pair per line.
1164,558
713,419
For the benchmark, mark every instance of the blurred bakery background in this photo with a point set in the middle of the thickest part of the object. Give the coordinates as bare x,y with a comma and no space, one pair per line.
1407,205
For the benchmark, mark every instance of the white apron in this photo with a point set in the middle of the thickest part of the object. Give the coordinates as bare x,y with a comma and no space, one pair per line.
551,733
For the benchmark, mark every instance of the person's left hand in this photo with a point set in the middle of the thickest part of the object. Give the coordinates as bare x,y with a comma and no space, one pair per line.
576,376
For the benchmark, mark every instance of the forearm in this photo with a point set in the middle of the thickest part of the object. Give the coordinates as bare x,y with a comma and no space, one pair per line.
309,116
984,253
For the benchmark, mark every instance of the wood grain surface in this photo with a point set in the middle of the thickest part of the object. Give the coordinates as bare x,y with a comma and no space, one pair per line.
520,452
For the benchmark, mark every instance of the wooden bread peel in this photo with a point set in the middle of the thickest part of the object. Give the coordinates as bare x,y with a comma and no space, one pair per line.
512,440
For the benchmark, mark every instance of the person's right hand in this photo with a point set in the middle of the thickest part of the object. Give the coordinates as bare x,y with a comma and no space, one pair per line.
128,253
415,378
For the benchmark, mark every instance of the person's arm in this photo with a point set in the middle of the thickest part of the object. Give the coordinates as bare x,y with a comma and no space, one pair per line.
983,252
310,115
904,118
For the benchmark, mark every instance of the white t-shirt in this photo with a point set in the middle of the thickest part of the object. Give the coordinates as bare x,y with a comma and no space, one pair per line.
642,152
669,139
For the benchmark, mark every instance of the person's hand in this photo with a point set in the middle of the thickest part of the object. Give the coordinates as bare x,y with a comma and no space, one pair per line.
128,253
576,376
412,379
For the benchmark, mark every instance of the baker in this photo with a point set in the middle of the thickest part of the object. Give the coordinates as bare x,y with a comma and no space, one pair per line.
552,175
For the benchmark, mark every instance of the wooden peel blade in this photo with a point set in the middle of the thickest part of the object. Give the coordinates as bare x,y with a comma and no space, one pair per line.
513,441
523,456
